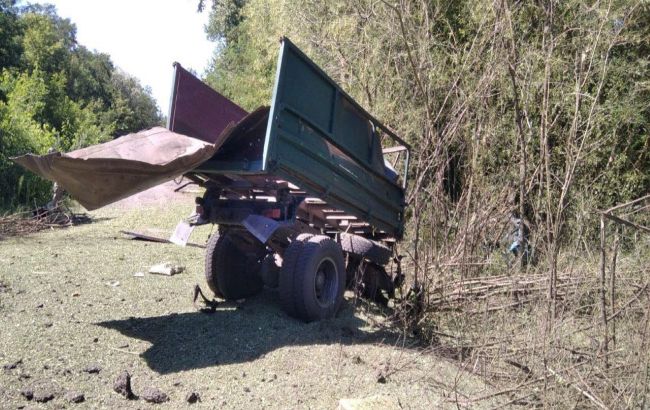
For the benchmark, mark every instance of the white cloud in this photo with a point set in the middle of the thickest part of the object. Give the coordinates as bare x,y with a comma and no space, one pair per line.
143,37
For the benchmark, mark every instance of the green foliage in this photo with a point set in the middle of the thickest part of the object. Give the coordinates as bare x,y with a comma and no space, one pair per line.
10,34
450,78
57,94
243,69
133,109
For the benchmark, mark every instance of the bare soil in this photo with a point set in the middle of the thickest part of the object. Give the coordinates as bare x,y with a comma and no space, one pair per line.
74,317
160,195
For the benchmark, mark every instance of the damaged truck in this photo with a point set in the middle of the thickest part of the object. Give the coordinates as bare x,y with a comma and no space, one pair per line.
308,193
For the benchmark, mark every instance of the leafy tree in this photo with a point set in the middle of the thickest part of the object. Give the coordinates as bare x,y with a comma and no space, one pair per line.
133,108
55,93
10,33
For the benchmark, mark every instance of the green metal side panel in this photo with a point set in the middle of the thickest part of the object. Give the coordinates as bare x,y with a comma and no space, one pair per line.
324,142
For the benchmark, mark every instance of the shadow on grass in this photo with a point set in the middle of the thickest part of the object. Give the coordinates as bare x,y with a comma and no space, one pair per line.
237,334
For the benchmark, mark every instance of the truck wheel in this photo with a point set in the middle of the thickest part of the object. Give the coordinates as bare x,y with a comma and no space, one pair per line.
286,279
318,277
371,250
232,264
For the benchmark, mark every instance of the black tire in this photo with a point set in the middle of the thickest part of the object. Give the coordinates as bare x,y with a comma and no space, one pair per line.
318,279
373,251
232,264
286,279
270,271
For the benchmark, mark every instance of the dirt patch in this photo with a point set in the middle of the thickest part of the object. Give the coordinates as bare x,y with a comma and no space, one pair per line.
162,195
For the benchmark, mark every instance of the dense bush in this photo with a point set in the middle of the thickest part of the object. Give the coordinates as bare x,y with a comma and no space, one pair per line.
513,108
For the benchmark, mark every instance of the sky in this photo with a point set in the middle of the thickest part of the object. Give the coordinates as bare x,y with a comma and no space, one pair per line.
143,37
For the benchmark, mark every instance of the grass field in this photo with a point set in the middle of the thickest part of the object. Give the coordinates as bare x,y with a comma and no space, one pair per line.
69,299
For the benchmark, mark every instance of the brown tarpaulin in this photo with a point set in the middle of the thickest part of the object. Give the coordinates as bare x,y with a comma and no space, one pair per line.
105,173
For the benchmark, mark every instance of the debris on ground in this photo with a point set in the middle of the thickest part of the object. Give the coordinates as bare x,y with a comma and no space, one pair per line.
28,222
27,392
210,305
92,369
382,374
13,365
166,268
114,283
368,403
43,394
192,397
122,385
74,397
138,274
153,395
152,238
182,233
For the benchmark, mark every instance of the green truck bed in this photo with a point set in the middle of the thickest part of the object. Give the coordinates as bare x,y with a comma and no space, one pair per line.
317,141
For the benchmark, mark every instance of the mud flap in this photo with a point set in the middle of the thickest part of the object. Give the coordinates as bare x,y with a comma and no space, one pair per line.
261,227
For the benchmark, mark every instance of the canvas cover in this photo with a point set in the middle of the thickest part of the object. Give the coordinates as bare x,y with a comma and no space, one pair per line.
102,174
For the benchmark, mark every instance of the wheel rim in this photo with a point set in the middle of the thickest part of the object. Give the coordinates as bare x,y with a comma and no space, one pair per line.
326,282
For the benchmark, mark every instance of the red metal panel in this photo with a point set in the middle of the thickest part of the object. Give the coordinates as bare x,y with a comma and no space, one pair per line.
199,111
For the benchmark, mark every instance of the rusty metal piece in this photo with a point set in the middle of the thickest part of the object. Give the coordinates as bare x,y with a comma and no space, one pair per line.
105,173
199,111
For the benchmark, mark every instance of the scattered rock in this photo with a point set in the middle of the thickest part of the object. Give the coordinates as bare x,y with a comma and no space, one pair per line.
11,366
43,394
382,374
74,397
92,368
193,397
27,392
357,359
48,324
39,306
122,385
166,268
247,389
114,283
24,376
153,395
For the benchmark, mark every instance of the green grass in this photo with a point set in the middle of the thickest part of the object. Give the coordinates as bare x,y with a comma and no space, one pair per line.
249,355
